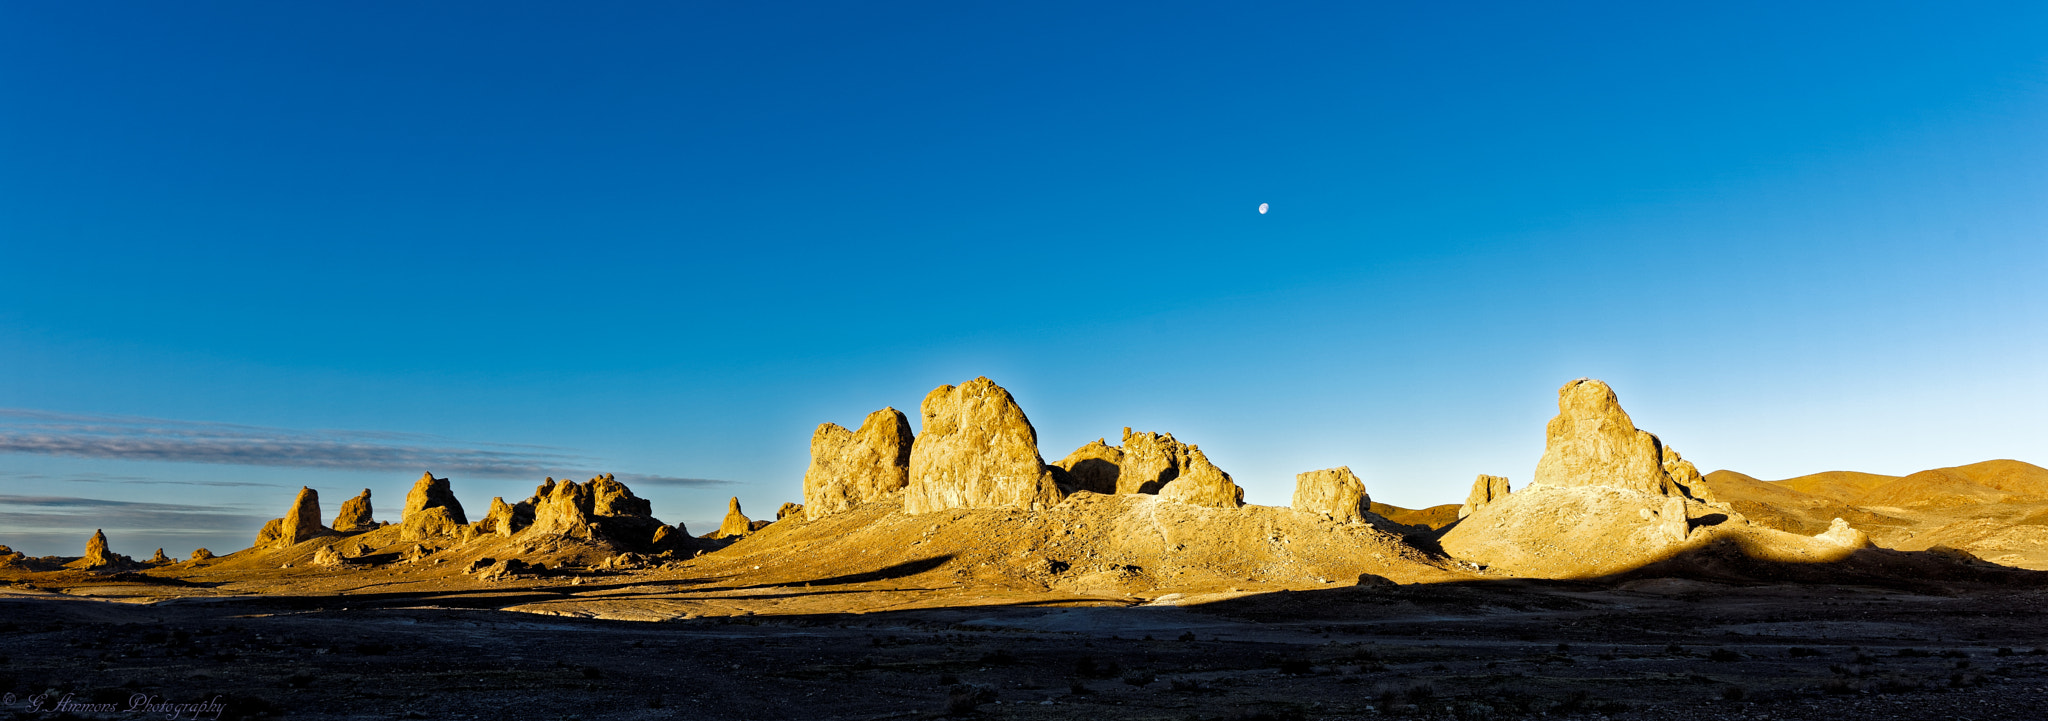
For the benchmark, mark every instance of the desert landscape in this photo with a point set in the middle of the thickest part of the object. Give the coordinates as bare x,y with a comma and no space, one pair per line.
948,570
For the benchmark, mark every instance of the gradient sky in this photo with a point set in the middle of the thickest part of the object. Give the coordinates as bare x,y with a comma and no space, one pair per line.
250,246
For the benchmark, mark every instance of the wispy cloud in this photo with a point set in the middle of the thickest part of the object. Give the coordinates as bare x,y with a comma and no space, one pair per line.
640,479
129,480
157,439
81,515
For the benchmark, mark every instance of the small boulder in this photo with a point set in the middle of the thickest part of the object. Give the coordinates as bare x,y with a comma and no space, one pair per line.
1334,492
327,556
1842,534
201,554
788,509
502,570
1486,489
355,515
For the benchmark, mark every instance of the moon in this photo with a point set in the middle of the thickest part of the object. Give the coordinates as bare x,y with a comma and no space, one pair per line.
1262,209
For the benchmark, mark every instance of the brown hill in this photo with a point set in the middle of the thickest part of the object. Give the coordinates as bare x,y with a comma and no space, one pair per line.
1775,505
1842,486
1433,517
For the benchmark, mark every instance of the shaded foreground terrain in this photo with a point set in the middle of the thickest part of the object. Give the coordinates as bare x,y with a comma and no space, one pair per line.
1654,648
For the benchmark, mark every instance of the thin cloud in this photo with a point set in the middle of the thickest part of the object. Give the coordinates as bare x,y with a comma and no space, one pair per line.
637,479
157,439
81,515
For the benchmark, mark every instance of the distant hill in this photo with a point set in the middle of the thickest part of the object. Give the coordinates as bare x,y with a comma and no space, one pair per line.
1434,517
1995,509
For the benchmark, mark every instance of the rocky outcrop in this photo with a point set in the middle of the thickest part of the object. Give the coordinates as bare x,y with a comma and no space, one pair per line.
564,508
978,450
1093,467
302,522
96,553
736,523
849,468
1686,476
1333,492
327,556
608,497
1842,534
160,558
505,519
432,522
355,515
1592,442
430,492
201,554
789,509
1486,489
1203,484
1150,461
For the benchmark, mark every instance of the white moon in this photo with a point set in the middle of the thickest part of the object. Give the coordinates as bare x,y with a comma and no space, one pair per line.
1262,209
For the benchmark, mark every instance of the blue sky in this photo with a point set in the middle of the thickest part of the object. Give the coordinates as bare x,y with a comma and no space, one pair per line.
250,246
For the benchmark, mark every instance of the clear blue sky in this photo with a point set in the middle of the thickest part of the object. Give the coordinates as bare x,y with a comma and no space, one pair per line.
250,246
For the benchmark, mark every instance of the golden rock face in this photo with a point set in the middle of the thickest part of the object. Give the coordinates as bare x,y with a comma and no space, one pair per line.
1592,442
430,492
355,514
735,523
302,522
849,468
1203,484
978,450
1334,492
1486,489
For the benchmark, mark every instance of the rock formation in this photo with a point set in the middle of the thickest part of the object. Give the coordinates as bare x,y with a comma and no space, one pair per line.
1150,461
1592,442
327,556
1486,489
96,553
430,492
736,523
303,521
1203,484
849,468
505,519
1606,497
608,497
564,508
978,450
788,509
355,515
1842,534
1334,492
201,554
1094,466
160,558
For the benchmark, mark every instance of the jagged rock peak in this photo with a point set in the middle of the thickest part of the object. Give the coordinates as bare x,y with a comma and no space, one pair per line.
977,450
355,514
1592,442
565,508
788,509
1203,484
160,558
609,497
1334,492
849,468
736,523
1486,489
96,553
1094,466
431,492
